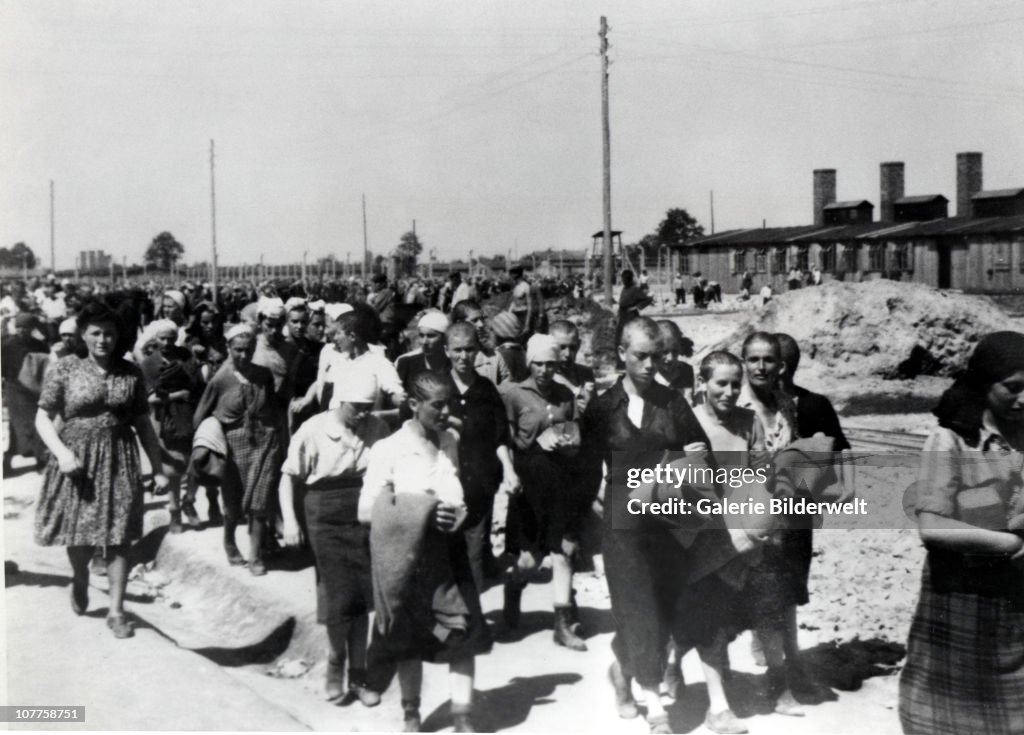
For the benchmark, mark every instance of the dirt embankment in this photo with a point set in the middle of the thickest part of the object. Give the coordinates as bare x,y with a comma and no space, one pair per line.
882,329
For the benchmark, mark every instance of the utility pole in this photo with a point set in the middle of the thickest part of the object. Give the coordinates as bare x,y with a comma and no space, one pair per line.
366,247
53,252
607,149
213,225
712,211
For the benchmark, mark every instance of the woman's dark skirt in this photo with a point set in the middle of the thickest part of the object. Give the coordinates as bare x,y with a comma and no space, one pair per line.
552,506
341,547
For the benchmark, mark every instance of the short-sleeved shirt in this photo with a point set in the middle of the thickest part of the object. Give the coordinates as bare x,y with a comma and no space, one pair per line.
973,484
530,411
409,463
333,365
321,450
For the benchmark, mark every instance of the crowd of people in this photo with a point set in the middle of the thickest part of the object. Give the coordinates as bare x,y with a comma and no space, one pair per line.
381,438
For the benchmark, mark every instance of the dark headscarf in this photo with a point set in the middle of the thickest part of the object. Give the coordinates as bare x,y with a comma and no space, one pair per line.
996,357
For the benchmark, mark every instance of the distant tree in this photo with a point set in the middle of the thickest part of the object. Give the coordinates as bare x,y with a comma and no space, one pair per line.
678,228
18,256
648,245
407,253
163,252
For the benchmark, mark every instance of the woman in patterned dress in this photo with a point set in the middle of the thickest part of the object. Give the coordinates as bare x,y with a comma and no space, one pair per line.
965,657
241,397
92,487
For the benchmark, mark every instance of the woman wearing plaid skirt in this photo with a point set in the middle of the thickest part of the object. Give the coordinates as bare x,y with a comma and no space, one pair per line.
965,657
241,397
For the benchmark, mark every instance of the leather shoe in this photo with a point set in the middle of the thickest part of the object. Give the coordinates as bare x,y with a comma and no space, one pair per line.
724,722
334,686
121,626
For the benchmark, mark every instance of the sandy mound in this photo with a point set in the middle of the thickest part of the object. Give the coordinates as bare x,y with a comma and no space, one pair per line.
883,328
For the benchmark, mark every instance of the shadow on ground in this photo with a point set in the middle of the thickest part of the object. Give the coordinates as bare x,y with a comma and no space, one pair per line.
506,706
265,651
825,667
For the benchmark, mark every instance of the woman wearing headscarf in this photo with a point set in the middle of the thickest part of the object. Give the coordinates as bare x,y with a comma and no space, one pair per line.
547,517
327,459
68,341
241,397
965,657
92,488
173,387
174,306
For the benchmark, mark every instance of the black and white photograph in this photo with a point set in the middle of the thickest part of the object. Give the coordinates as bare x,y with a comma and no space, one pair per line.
475,366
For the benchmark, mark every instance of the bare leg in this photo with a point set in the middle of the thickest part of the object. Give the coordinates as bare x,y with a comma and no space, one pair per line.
410,683
255,538
790,646
230,545
460,678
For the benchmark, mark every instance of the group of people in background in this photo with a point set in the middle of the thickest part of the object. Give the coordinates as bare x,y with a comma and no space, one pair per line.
382,442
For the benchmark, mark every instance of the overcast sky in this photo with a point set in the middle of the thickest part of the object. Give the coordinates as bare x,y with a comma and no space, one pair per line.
481,120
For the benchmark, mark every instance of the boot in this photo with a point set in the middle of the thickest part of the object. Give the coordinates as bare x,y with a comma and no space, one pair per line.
461,719
335,683
411,715
624,702
564,635
513,599
175,525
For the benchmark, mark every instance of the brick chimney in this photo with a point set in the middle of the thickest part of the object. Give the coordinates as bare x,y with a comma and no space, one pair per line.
824,192
968,181
890,189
